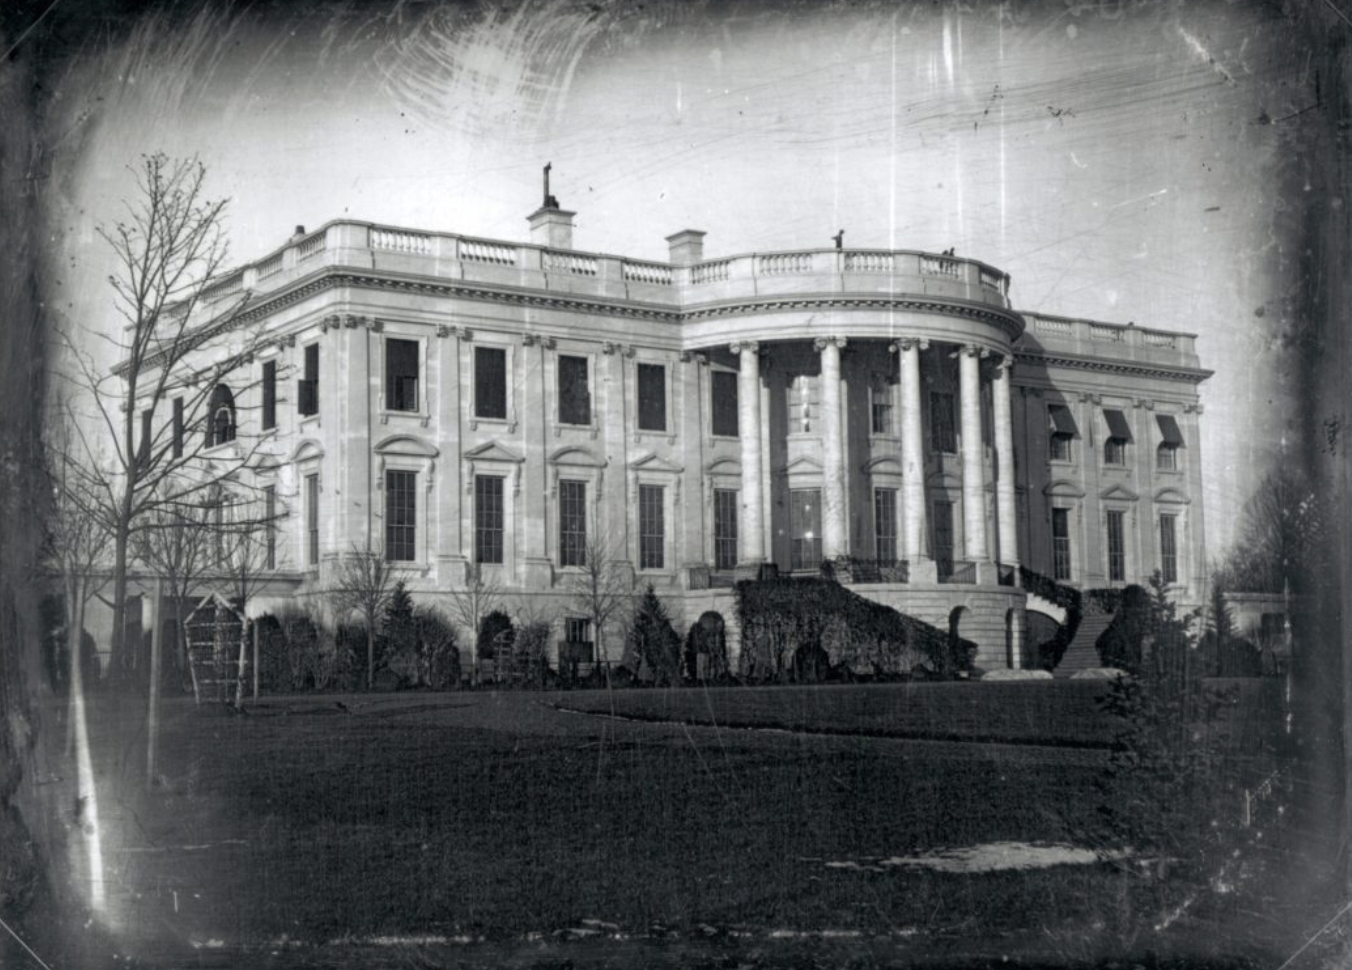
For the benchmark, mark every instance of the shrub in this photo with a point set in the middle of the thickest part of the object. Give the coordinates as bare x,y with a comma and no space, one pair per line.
652,647
528,660
706,650
438,651
1122,643
495,631
398,643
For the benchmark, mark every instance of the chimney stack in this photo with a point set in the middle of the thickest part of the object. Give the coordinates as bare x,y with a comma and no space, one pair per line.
687,247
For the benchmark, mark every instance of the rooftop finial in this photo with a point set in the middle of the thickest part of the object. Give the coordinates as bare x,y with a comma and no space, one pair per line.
550,201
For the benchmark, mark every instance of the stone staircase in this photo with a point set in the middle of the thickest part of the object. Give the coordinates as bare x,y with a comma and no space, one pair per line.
1082,652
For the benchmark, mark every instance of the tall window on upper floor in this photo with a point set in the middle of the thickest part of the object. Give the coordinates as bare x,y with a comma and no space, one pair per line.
723,403
1117,547
725,528
574,390
1169,548
880,404
885,524
652,527
805,528
943,537
489,519
401,374
1062,430
572,523
803,402
1171,440
1061,544
178,427
490,382
1119,436
269,394
943,429
652,397
401,516
311,521
221,416
307,388
143,450
270,526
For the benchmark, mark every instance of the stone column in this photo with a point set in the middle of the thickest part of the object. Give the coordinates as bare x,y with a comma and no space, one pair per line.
913,511
1005,512
751,530
973,477
834,535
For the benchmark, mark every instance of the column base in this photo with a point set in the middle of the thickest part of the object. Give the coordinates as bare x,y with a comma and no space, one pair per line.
755,571
987,573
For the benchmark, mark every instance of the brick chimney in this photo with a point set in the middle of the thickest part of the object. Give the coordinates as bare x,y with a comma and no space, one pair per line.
687,247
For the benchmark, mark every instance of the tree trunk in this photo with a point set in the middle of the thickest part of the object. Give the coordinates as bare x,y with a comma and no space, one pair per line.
118,665
255,660
370,657
153,712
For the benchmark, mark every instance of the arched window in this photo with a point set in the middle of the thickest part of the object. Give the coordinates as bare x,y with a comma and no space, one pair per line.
221,417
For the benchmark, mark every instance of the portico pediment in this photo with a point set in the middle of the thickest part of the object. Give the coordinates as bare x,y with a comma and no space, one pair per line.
655,463
1118,493
492,451
406,444
1063,488
577,456
1171,496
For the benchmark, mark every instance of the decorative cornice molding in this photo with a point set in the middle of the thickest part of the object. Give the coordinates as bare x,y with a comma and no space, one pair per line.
1190,375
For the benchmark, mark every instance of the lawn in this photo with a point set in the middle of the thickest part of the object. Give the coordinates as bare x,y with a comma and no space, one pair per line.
494,823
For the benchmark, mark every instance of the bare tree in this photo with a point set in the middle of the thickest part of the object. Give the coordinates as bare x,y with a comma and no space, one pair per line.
603,591
176,544
150,418
480,596
249,554
363,584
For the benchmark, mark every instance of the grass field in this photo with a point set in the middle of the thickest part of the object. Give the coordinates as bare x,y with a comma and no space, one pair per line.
497,824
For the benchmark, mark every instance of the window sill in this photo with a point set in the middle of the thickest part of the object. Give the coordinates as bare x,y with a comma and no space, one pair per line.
385,414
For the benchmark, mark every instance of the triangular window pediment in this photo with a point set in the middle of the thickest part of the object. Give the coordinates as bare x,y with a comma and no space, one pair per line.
803,465
1118,493
656,463
406,444
492,451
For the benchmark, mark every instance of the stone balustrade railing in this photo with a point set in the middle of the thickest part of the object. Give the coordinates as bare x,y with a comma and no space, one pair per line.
1090,333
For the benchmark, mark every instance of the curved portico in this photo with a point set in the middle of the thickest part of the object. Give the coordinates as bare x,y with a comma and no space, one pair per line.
842,372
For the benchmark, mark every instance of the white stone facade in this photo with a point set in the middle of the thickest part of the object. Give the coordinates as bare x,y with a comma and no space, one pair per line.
454,400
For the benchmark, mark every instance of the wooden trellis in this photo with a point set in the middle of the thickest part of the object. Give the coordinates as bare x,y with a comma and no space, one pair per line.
217,651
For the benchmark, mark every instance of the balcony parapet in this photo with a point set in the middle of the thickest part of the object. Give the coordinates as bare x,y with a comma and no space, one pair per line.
1048,336
366,246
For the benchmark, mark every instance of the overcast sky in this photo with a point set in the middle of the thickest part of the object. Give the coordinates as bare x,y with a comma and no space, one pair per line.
1123,161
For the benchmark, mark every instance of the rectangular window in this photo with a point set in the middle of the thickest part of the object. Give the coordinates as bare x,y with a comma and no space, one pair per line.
943,431
1117,550
885,524
489,519
723,403
1169,548
1119,436
178,427
652,397
307,391
269,524
803,402
652,527
880,404
1061,544
1060,447
1166,457
574,391
572,523
401,516
725,528
269,394
401,375
147,434
805,520
312,520
1114,452
577,637
490,382
218,531
1063,429
943,537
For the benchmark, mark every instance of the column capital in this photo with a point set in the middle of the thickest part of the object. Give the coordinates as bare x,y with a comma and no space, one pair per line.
1145,402
744,346
908,343
821,343
974,350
